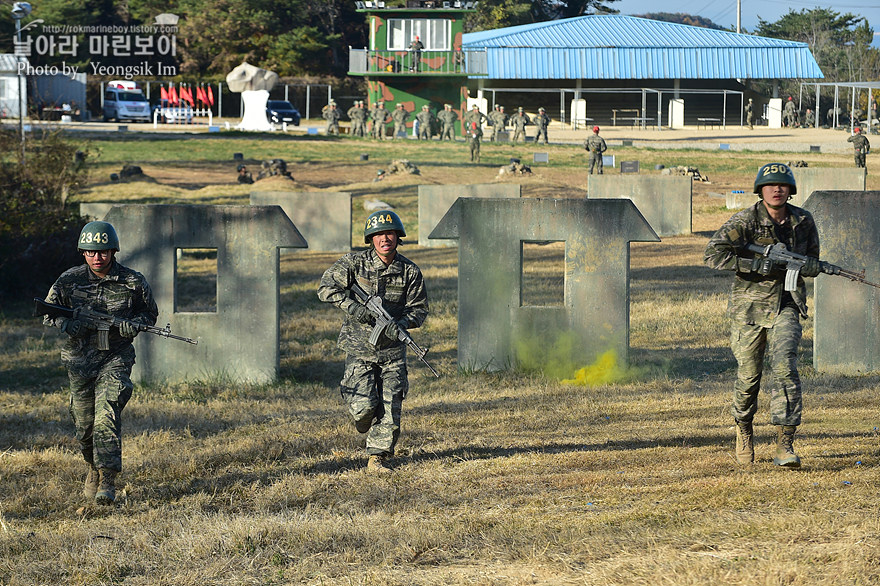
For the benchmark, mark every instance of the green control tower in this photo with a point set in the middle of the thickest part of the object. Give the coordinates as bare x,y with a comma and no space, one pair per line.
415,55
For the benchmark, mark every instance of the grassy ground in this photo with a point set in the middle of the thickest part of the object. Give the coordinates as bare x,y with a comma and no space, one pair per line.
505,478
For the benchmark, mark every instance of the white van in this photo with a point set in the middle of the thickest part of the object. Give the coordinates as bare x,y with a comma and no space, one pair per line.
123,100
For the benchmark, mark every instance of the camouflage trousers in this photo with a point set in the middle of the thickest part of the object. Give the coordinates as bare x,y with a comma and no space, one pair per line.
447,132
596,161
518,133
750,344
475,151
374,391
859,159
99,391
542,132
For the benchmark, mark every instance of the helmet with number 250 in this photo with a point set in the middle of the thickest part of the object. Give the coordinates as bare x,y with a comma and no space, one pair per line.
380,222
98,236
774,173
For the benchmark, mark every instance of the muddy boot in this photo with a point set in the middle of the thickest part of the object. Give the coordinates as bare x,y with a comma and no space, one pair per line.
376,465
91,485
106,494
745,447
785,455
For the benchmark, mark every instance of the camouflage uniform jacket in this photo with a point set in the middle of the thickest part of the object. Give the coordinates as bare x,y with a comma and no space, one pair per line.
595,144
520,121
860,143
425,118
542,121
447,117
400,115
401,287
379,115
475,116
755,298
123,293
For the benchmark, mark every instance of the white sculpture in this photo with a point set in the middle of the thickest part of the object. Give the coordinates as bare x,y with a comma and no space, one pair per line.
254,84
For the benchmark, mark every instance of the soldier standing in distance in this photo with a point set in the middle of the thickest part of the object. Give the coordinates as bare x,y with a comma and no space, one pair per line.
750,114
375,382
447,118
399,116
595,145
788,113
542,122
475,133
765,319
861,147
379,116
331,115
426,123
519,121
100,380
416,48
474,116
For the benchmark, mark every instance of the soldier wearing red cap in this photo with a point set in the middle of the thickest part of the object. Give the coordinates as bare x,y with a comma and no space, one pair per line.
861,145
595,145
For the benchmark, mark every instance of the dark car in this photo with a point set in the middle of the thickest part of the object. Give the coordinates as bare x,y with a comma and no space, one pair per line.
279,111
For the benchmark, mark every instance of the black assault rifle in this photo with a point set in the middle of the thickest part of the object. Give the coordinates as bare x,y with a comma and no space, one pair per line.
383,318
795,262
102,322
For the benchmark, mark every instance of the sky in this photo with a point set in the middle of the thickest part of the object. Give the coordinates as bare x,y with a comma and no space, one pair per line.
723,12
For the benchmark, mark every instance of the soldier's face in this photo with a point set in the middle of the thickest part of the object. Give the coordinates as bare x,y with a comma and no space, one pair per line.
775,195
101,261
385,244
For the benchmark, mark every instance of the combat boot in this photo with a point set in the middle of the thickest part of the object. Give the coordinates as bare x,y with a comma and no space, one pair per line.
376,465
91,485
785,455
106,493
745,446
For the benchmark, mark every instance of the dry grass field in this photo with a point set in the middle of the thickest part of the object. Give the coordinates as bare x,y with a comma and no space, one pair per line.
507,478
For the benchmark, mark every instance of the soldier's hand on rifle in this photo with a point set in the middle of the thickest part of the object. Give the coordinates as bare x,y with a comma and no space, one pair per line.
74,328
763,265
361,314
392,330
127,330
811,268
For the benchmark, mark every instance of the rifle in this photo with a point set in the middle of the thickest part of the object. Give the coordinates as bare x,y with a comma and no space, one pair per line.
102,322
794,263
383,318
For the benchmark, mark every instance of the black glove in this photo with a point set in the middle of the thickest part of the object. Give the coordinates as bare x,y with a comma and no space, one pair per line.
392,330
361,313
811,268
74,328
763,265
127,330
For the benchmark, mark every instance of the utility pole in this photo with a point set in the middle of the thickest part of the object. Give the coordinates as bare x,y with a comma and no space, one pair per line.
19,11
739,15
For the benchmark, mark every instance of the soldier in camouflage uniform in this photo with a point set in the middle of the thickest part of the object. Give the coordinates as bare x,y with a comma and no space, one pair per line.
474,134
400,116
379,116
861,147
789,114
375,382
595,145
100,380
519,121
358,117
750,114
542,122
426,123
765,319
447,118
499,122
474,116
332,116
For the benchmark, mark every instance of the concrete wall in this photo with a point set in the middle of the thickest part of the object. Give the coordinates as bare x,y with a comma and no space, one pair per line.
666,202
323,218
435,201
240,340
495,330
847,322
94,210
808,180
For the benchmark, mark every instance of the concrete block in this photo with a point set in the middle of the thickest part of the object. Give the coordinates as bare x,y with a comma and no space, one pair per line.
847,320
435,201
323,218
95,210
739,199
495,329
240,340
810,179
665,201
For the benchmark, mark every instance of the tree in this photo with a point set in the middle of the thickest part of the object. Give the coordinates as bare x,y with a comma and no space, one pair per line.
492,14
682,18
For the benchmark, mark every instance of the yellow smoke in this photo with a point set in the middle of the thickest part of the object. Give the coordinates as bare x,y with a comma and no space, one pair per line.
603,371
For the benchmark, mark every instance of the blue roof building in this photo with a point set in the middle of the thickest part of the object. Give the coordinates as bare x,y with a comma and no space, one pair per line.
616,58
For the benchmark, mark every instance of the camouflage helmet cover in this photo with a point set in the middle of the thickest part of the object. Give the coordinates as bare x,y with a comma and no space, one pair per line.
98,236
775,173
382,221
